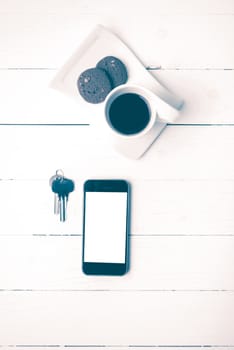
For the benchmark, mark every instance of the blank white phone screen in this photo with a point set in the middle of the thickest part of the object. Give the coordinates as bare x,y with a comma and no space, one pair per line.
105,227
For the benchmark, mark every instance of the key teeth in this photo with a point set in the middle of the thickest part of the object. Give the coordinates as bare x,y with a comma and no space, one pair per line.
56,204
63,209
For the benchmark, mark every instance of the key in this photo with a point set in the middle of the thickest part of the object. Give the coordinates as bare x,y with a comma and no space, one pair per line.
56,208
56,201
62,187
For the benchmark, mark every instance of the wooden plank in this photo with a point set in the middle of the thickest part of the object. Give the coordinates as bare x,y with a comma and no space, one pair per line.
207,94
104,6
190,174
67,347
159,207
180,153
157,263
155,318
27,98
47,39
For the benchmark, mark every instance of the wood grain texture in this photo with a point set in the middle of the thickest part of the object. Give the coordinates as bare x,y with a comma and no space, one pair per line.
180,153
101,6
157,263
179,292
67,347
46,39
182,207
99,318
27,98
184,180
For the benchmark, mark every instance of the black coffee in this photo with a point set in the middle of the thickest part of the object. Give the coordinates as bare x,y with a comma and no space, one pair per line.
129,114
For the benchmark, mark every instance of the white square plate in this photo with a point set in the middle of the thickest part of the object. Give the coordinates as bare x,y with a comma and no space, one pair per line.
102,42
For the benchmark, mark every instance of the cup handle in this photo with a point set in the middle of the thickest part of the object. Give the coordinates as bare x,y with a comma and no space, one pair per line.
168,104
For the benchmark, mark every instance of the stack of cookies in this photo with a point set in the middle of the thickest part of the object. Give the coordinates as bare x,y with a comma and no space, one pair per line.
94,84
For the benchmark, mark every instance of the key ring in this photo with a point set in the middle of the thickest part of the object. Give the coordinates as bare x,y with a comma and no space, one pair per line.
59,173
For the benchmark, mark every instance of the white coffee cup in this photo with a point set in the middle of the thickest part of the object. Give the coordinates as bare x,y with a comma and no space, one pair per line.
133,144
144,98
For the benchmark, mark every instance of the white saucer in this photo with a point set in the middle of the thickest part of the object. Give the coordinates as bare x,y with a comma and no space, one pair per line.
100,43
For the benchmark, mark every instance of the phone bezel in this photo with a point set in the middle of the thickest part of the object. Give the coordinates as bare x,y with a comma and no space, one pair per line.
112,269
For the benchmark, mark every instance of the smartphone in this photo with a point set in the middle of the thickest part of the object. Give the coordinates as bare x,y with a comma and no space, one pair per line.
106,222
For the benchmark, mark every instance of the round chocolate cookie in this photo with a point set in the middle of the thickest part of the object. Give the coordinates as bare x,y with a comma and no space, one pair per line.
94,85
115,69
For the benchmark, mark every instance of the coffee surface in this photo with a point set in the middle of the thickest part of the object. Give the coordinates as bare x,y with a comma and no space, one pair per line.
129,114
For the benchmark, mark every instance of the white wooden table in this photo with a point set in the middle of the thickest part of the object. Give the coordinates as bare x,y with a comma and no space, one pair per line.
180,290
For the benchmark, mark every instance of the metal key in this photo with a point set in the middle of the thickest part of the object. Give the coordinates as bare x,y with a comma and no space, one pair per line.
62,187
58,175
